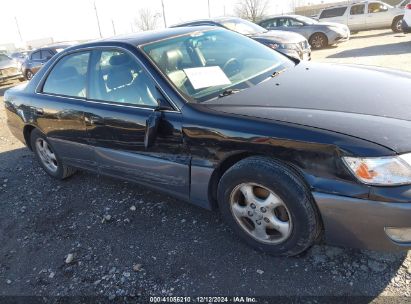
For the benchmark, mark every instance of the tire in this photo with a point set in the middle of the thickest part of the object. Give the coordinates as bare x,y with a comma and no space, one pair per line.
264,174
29,75
396,24
54,166
318,41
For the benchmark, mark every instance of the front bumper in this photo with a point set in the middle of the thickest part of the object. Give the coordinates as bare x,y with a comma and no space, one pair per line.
298,54
334,38
365,224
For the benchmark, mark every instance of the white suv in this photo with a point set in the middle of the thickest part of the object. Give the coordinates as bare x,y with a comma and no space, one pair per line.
406,22
366,15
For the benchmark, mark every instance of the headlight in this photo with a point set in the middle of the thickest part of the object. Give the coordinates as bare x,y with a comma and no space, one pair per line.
287,46
381,171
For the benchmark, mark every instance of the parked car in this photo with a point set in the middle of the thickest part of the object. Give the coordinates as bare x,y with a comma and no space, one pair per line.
293,45
406,22
8,68
287,156
367,15
19,57
37,58
319,34
403,4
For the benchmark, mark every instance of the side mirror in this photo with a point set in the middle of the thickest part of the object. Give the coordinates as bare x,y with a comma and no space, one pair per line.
152,123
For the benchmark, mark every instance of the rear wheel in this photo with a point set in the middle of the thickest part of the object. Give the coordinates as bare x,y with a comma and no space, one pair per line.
268,206
47,157
396,24
318,41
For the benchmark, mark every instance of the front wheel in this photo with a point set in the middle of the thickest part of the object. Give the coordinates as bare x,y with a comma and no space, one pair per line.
268,205
397,24
47,157
318,41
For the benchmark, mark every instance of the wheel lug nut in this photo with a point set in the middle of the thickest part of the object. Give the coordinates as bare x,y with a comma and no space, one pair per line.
252,206
266,220
250,213
258,222
263,210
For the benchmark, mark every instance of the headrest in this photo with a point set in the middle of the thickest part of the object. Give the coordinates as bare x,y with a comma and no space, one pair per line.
119,59
67,72
171,60
119,76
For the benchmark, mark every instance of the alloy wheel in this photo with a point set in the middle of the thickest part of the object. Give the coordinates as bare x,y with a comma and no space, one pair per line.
318,41
261,213
46,155
398,25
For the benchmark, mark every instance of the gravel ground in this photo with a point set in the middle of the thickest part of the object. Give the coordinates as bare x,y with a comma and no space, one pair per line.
381,48
92,235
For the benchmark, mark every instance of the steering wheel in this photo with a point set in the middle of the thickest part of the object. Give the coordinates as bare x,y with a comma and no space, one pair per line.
232,66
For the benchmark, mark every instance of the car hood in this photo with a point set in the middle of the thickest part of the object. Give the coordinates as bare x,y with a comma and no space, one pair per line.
370,103
279,36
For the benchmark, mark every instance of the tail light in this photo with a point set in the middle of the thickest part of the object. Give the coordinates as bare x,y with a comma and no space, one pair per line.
408,6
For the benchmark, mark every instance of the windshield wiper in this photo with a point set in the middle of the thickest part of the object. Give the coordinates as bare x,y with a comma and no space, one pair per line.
228,92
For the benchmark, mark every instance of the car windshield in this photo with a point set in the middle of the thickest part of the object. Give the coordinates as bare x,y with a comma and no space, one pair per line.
243,26
202,67
306,20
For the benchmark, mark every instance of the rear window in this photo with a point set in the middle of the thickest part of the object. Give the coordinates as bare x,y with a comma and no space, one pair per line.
35,56
68,77
333,12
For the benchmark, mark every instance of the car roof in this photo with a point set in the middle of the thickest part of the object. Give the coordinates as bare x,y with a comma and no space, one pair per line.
211,20
285,16
349,4
141,38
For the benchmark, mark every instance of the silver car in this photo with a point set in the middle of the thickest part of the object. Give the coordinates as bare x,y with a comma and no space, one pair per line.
9,68
319,34
366,15
290,44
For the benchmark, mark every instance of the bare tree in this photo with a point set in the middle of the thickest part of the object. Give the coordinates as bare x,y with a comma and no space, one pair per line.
146,20
253,10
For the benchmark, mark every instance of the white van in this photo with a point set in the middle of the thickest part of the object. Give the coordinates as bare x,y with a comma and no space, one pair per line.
366,15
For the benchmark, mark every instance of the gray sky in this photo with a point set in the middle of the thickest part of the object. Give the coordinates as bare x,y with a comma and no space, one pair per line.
76,20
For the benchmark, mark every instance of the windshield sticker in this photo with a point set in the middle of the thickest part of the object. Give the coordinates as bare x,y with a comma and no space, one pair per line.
205,77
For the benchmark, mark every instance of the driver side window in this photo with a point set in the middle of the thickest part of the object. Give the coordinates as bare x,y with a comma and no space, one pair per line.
117,77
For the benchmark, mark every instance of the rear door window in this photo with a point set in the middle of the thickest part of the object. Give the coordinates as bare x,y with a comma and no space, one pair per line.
36,56
269,23
69,76
333,12
358,9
